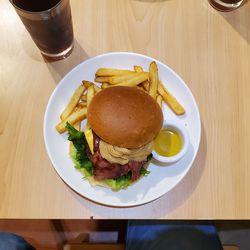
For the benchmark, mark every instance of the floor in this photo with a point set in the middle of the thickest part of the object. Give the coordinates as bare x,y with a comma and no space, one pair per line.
53,234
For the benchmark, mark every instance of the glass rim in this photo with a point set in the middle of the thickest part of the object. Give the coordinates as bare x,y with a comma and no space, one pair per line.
35,12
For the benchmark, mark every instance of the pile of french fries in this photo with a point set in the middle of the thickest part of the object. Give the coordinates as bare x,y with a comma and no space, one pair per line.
76,110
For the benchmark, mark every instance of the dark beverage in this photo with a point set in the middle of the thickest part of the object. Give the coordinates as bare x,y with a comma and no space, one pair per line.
35,6
49,23
225,5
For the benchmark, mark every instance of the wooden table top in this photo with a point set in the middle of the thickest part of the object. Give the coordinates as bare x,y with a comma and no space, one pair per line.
209,49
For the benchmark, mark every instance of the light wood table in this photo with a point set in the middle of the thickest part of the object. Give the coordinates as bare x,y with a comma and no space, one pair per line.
209,49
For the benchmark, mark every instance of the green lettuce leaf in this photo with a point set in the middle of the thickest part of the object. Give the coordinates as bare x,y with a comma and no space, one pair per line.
79,155
119,183
124,181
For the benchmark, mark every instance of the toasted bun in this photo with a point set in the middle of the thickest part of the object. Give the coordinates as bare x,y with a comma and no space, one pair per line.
125,117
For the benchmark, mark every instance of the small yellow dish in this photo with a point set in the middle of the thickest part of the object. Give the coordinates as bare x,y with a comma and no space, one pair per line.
168,142
172,142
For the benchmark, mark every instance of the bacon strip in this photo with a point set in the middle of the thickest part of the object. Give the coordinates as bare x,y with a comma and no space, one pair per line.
106,170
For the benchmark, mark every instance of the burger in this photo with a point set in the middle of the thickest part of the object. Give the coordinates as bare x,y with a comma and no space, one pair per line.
123,122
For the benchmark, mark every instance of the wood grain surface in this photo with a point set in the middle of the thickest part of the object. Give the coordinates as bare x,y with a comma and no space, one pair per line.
209,49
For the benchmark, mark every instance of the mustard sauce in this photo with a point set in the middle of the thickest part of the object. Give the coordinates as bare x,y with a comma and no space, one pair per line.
168,143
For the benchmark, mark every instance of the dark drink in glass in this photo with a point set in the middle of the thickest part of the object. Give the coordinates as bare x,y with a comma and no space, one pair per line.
225,5
49,23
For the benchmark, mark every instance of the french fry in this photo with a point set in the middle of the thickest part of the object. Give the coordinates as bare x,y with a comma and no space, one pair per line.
84,98
111,72
153,78
97,89
102,79
87,84
77,126
170,100
105,85
134,80
159,100
138,68
146,85
73,102
74,117
82,104
116,79
90,94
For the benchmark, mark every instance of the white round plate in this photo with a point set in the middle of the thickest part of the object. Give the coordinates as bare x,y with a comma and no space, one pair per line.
162,178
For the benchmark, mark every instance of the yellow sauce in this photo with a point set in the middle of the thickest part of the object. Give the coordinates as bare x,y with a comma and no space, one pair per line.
168,143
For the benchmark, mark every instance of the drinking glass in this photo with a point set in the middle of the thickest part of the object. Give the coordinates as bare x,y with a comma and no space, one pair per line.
49,24
226,5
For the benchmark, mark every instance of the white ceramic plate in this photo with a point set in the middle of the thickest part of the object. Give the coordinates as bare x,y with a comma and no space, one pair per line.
161,179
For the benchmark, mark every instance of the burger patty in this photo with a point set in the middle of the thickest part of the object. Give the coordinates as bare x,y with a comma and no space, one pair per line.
106,170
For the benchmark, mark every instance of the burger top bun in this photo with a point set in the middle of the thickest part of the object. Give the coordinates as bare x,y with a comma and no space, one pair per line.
125,116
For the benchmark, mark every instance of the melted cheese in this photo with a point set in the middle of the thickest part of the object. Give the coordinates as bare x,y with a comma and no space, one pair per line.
89,138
